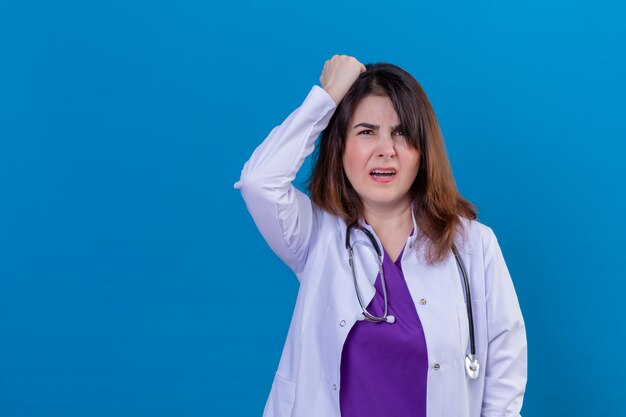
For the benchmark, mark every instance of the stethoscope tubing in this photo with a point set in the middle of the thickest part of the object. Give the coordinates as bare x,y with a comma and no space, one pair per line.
366,314
471,362
470,315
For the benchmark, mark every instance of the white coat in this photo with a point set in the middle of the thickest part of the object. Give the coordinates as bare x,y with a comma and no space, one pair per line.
312,243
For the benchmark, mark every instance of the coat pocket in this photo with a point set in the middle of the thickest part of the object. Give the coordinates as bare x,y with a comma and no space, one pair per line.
281,399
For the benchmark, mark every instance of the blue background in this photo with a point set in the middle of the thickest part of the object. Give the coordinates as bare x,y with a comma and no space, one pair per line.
124,125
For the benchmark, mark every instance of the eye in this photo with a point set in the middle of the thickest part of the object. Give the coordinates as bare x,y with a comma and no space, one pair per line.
399,133
366,132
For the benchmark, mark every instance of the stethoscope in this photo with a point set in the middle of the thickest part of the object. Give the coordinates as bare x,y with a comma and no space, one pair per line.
471,362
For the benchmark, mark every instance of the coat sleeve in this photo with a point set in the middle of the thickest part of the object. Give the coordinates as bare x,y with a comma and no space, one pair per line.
283,214
506,367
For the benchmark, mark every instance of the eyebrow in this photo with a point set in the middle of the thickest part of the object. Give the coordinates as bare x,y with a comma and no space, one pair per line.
371,126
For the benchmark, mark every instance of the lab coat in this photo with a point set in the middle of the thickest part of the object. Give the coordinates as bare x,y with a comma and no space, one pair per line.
312,243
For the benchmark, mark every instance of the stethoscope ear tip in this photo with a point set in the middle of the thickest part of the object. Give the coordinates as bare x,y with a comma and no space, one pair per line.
391,319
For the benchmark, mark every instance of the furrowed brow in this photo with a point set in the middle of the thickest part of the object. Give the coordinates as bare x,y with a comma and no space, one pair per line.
371,126
367,126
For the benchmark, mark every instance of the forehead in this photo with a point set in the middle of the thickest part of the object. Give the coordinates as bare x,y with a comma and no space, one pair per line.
375,108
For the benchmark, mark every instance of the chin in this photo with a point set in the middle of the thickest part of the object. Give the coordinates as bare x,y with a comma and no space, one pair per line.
391,201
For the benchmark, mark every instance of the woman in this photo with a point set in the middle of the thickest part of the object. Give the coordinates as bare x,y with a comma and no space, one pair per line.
381,326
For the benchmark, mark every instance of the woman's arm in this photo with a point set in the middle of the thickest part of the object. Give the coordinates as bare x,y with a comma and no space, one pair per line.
283,214
506,368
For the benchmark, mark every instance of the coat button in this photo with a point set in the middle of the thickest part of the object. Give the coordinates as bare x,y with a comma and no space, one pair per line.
334,387
342,323
423,301
436,366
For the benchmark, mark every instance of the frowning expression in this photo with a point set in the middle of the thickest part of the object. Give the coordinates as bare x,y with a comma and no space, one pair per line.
378,159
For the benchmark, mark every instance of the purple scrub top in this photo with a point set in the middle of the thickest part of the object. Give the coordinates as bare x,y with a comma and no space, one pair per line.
384,366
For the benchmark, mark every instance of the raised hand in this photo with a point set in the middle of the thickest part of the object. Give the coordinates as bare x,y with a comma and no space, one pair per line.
339,74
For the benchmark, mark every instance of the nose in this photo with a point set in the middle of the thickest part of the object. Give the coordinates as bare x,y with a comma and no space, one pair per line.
386,146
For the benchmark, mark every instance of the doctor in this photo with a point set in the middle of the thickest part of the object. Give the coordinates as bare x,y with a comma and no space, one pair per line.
405,305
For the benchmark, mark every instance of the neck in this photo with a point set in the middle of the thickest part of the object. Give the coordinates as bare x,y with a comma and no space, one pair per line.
386,220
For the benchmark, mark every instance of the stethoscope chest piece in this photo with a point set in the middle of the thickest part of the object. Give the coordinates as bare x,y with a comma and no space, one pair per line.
472,366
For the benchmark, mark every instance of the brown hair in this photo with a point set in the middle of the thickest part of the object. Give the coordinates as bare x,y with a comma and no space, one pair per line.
438,205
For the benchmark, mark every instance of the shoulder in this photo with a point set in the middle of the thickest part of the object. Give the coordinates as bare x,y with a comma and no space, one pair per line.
475,237
324,218
484,257
327,225
328,230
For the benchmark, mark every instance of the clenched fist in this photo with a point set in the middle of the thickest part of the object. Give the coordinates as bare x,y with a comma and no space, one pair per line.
339,74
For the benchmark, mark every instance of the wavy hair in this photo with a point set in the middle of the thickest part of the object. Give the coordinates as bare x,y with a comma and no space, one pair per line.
438,205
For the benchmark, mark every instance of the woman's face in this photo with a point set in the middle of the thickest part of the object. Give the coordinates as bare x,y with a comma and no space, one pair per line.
378,160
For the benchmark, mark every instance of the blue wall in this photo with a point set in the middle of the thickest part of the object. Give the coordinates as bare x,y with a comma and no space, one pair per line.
123,126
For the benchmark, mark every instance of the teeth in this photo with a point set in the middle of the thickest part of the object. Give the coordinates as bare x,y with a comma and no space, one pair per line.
382,173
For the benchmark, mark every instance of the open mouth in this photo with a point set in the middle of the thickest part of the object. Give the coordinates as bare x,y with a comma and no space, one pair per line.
379,173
